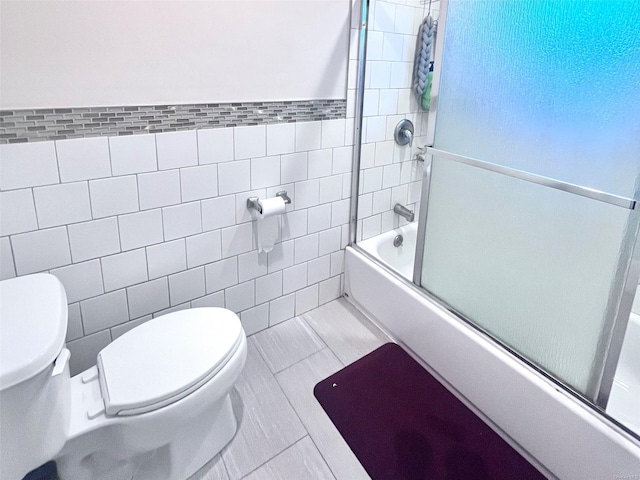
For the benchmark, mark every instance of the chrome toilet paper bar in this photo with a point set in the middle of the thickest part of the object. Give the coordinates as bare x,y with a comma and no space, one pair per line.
253,203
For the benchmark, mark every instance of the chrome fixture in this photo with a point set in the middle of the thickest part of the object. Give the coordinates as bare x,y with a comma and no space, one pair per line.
253,203
404,132
397,242
404,212
421,153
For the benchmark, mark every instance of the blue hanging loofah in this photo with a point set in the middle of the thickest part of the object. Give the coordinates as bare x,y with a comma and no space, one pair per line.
422,62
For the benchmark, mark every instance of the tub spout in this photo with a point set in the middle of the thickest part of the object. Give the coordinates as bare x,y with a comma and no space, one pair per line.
404,212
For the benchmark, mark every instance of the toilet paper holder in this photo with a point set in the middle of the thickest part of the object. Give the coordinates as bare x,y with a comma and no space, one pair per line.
253,203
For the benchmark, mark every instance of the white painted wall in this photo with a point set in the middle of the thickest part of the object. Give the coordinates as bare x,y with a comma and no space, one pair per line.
96,53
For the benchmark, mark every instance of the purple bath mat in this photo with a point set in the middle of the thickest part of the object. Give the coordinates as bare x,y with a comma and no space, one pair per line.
402,424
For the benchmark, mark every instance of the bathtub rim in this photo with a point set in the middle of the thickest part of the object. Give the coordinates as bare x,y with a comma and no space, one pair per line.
482,336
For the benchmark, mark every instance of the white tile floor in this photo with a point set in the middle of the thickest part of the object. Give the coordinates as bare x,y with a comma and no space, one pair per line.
283,431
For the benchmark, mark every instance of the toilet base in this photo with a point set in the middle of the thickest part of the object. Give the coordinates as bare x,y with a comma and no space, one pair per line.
197,442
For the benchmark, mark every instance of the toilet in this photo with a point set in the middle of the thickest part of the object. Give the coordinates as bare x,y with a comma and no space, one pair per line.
156,405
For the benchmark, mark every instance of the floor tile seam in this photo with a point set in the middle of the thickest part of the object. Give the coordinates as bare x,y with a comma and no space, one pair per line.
275,455
264,356
301,360
292,408
306,324
333,474
315,331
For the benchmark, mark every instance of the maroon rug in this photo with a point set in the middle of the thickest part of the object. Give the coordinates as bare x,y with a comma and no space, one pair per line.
402,424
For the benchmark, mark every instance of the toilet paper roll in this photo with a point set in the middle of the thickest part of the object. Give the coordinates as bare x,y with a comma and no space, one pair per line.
268,223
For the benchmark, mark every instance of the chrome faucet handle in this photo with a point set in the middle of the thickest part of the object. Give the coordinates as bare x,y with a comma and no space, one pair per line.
403,133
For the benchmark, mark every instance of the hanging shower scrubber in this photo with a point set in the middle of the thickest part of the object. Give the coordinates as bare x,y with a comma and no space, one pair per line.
426,34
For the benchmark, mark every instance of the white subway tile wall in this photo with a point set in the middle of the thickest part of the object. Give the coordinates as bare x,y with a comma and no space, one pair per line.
389,173
138,226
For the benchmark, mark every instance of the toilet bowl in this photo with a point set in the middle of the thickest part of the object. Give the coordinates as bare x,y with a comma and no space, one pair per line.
155,406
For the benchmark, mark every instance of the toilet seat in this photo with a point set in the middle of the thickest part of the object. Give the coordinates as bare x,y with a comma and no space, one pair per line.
165,359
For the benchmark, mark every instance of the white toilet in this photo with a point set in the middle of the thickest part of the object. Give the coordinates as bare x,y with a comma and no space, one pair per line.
156,405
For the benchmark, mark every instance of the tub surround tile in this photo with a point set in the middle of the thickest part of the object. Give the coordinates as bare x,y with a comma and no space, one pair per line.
287,343
268,424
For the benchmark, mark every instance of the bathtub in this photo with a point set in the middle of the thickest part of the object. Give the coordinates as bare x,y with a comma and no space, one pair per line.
562,436
623,401
399,258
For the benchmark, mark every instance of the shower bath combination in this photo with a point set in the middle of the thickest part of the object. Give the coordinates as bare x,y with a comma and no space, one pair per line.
525,258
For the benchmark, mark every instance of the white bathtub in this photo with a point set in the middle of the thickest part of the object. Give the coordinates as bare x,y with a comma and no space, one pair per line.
624,401
399,258
558,433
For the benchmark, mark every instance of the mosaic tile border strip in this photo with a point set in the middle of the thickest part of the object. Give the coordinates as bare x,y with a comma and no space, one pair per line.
20,126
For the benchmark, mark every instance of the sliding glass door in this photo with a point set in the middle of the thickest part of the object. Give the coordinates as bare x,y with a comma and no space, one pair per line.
533,179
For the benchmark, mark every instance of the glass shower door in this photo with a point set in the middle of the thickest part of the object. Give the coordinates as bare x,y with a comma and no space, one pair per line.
531,215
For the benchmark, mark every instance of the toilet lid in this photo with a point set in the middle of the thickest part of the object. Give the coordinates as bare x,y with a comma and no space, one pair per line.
165,359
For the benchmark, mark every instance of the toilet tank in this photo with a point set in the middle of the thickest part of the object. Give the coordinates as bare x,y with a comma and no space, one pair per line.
34,373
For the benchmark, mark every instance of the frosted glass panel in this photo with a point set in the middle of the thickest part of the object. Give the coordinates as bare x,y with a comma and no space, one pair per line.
529,264
551,87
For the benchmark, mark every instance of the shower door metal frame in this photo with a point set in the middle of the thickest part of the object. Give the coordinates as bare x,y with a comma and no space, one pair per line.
627,276
628,273
357,130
